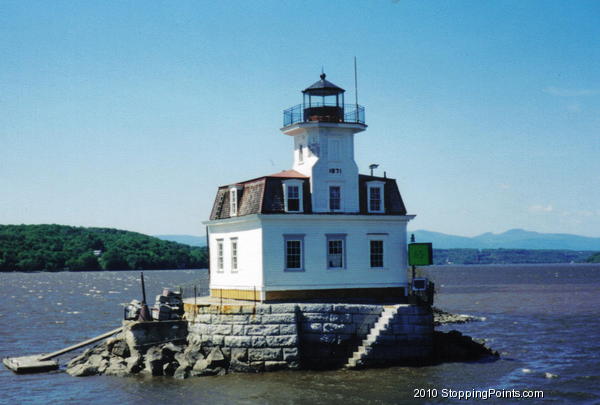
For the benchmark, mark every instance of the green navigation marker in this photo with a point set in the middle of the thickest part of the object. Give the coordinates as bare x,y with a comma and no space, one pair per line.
420,254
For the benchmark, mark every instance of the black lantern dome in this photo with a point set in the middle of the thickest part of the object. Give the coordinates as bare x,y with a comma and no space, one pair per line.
323,101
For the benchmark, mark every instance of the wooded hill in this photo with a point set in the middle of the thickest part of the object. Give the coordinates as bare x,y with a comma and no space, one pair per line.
594,259
510,256
60,247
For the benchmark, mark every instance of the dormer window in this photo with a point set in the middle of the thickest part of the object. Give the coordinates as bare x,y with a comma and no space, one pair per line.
233,201
375,203
292,194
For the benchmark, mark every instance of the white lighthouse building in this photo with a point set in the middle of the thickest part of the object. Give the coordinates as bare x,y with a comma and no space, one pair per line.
319,230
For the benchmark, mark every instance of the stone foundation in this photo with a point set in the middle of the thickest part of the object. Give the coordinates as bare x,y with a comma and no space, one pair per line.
290,336
220,339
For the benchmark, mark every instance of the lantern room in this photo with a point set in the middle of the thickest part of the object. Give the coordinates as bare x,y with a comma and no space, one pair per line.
323,101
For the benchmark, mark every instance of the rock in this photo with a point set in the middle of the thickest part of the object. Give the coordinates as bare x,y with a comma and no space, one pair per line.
134,364
209,371
192,353
237,366
153,361
214,364
104,363
120,348
182,372
441,317
239,354
257,366
117,367
95,360
275,365
216,358
170,368
454,346
82,370
171,348
82,358
200,365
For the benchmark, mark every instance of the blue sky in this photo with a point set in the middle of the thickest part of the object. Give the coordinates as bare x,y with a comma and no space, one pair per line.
130,114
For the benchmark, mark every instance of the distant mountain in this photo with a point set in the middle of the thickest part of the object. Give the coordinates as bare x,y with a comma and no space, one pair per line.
185,239
512,239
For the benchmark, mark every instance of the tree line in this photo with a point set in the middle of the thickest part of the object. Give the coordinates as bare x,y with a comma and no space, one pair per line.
510,256
61,247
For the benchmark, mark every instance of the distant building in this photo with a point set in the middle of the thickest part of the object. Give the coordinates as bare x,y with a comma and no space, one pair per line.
319,230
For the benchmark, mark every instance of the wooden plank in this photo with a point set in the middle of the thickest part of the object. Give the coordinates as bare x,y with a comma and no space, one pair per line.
80,344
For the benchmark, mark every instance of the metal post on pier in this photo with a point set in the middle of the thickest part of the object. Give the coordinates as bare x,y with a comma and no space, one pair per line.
144,311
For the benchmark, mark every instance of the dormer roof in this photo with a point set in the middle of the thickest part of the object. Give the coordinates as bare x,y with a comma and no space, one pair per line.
264,195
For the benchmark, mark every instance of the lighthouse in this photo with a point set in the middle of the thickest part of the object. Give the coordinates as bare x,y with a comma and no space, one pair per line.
320,230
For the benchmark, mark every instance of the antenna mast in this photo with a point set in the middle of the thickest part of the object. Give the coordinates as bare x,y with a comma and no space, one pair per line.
355,89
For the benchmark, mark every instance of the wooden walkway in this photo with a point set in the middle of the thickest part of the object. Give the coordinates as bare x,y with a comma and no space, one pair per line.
39,363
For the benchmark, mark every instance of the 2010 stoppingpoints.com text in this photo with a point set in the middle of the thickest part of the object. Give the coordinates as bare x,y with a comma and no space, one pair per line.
485,394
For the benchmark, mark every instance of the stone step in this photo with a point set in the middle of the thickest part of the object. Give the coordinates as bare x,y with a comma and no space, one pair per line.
365,347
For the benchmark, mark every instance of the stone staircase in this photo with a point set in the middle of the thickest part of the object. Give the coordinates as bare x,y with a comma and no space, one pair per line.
382,323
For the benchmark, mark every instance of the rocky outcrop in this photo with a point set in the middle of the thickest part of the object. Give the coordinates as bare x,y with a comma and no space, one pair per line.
115,357
441,317
454,346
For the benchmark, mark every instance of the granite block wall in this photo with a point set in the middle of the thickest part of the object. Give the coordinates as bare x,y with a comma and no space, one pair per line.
308,335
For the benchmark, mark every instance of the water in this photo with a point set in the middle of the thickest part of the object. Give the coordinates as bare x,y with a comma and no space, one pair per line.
543,319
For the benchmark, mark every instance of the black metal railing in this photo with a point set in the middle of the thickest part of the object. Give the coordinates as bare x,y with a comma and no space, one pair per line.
324,112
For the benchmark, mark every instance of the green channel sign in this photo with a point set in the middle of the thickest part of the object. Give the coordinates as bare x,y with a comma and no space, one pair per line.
420,254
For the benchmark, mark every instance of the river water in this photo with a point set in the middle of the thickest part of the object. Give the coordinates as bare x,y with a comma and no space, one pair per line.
543,319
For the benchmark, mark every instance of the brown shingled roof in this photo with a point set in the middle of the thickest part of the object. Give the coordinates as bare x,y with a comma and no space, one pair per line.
265,195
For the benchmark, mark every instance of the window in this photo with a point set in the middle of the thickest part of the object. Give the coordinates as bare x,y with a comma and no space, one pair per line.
234,254
220,255
336,258
292,194
335,198
233,202
294,252
301,154
376,253
293,198
374,199
375,196
293,255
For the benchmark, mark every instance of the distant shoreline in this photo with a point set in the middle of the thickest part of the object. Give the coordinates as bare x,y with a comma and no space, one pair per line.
92,271
418,268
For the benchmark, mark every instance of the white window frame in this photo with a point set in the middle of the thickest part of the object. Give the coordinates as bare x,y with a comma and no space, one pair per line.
330,237
376,185
293,183
234,247
220,256
293,238
385,257
341,206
